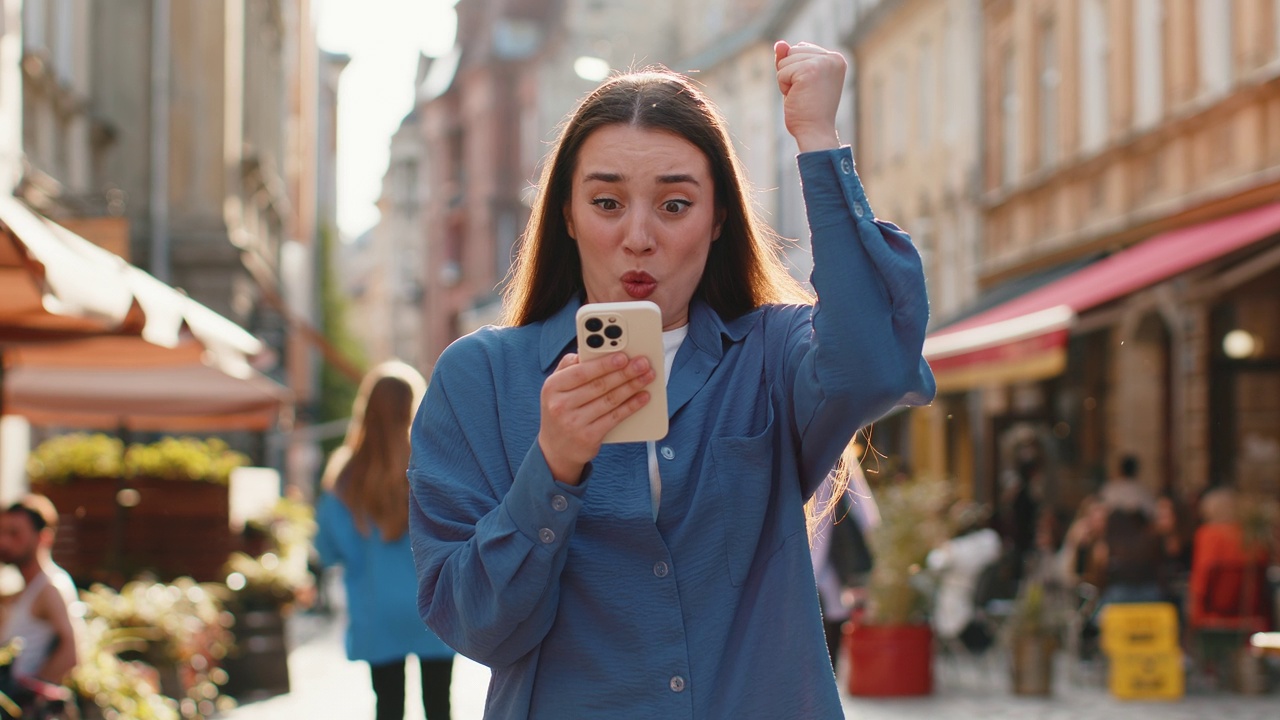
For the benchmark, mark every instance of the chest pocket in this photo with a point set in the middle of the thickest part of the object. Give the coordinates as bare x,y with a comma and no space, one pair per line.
745,474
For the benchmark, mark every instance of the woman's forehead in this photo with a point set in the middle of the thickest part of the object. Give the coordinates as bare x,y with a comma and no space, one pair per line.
618,151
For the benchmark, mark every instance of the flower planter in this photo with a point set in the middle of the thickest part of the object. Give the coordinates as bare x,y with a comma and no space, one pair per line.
1032,664
258,666
169,527
889,661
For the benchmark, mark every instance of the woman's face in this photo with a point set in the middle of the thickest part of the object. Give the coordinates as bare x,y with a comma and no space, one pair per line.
642,211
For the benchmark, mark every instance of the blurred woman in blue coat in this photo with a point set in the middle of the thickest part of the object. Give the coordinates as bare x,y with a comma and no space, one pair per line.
363,517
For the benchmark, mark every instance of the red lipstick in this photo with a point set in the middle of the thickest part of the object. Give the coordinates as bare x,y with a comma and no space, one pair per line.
639,284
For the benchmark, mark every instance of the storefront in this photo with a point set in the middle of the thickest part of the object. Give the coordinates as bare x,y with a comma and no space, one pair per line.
1168,350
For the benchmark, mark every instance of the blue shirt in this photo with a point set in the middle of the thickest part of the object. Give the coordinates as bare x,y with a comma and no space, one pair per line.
581,603
383,624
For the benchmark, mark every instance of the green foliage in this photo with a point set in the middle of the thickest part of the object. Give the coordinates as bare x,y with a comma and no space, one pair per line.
911,523
278,578
77,455
149,631
1259,520
1030,613
184,459
337,389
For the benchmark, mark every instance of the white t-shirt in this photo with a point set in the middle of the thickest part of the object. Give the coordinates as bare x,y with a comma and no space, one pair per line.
671,340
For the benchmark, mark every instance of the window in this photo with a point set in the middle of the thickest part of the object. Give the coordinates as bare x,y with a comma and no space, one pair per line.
1148,62
928,86
1008,119
1094,43
64,41
951,79
1049,81
897,121
1275,20
1213,40
33,25
875,150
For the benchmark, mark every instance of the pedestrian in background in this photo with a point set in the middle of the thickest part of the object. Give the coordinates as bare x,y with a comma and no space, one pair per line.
840,552
363,523
42,613
669,579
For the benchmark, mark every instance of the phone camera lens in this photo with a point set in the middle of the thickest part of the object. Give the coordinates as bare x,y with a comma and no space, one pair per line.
594,324
595,341
613,332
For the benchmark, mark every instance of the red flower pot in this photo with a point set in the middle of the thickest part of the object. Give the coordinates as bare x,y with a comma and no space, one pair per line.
889,661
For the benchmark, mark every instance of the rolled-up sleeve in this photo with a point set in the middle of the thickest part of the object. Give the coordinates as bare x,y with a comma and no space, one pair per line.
859,354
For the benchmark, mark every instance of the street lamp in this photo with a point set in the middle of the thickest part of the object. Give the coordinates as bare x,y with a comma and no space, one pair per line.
1239,344
591,69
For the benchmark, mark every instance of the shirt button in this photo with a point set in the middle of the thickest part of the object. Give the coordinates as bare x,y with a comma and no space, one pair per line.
559,503
677,683
661,569
857,210
668,453
546,536
846,165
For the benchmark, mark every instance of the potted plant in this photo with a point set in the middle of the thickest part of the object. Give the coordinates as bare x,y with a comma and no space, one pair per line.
161,508
891,643
262,590
153,651
1034,631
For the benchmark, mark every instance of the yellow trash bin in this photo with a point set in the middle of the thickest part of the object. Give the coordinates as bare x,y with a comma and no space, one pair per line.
1152,675
1139,627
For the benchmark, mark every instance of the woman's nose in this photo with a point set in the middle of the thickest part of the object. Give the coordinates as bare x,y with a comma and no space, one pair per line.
639,238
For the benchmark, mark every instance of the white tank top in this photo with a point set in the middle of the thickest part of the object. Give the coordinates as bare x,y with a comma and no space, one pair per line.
37,635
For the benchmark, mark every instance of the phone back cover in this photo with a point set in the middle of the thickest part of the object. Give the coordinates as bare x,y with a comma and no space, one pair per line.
643,337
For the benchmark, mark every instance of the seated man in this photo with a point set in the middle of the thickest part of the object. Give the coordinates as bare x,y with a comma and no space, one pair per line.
958,564
41,614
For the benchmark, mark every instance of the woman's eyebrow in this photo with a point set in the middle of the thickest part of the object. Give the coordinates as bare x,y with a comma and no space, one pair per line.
680,178
613,177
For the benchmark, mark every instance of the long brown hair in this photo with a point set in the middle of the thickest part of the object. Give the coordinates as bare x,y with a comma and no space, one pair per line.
743,271
368,472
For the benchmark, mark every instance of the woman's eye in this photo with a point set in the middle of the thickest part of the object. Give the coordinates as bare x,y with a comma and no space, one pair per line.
605,203
676,206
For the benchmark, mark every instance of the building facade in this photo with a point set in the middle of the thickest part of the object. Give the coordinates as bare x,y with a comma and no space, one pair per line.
917,143
182,136
1130,174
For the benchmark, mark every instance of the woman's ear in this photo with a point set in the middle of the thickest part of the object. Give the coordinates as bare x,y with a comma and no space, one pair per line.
568,222
721,214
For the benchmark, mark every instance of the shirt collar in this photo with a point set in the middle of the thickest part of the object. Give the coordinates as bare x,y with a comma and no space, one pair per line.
706,330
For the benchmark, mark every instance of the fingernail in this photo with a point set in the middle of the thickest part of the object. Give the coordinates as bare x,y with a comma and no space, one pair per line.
618,360
640,363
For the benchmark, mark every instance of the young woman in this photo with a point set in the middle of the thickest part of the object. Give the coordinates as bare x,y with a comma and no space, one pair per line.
363,518
670,579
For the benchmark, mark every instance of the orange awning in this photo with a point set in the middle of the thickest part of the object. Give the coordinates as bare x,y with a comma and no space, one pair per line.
54,283
1025,338
89,340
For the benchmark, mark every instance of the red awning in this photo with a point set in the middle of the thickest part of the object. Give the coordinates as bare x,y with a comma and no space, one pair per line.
1025,338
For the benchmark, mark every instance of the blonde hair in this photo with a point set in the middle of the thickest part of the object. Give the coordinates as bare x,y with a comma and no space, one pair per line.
368,472
819,506
1219,506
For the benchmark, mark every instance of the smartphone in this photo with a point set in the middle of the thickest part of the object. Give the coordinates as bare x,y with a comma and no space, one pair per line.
634,328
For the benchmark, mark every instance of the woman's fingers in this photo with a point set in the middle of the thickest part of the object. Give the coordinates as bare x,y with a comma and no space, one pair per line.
811,79
582,401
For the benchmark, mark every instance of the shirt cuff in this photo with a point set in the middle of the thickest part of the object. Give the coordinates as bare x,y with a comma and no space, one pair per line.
823,171
543,510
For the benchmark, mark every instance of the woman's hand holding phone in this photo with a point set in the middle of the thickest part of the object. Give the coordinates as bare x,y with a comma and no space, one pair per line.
582,401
